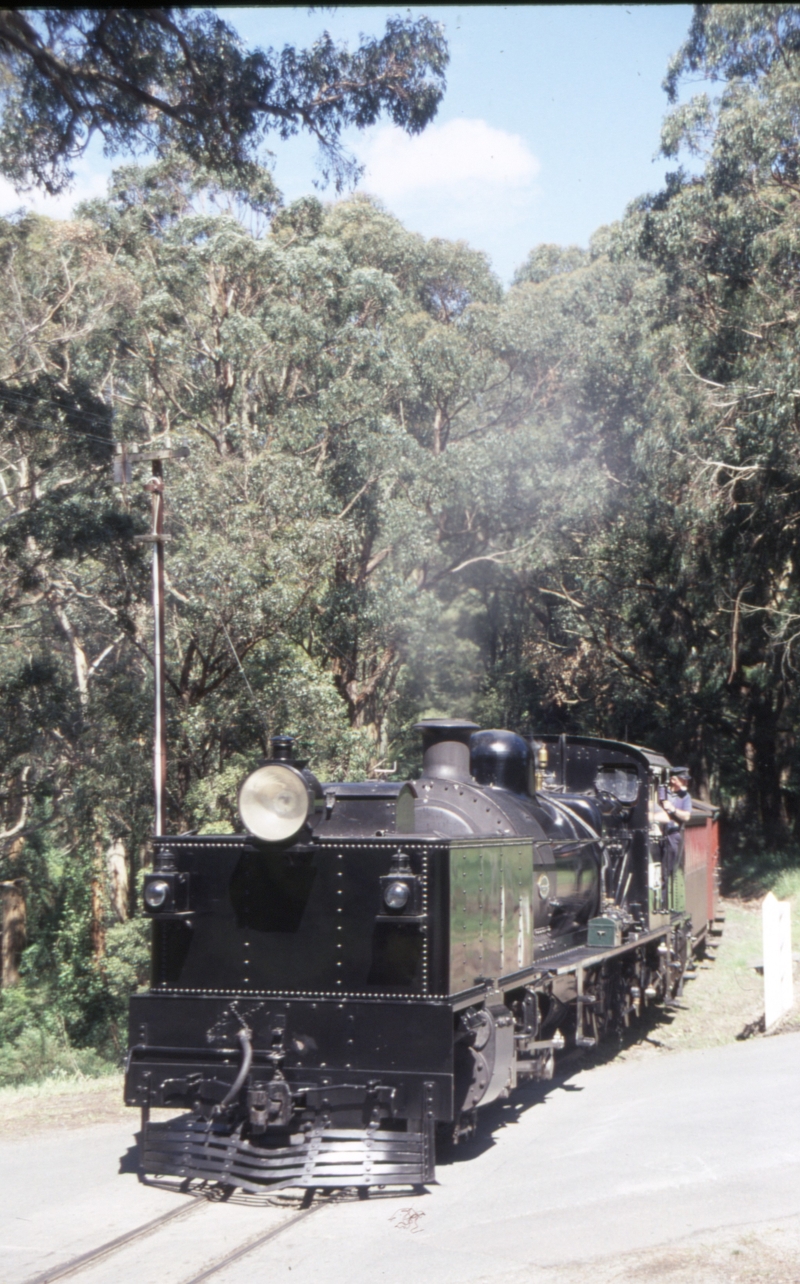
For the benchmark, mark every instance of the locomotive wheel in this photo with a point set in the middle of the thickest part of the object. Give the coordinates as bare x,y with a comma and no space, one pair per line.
684,956
616,1006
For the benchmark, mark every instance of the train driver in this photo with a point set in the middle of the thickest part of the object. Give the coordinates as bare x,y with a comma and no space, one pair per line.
678,806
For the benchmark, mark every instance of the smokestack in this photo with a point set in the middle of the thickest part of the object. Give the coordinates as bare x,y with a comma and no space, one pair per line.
445,747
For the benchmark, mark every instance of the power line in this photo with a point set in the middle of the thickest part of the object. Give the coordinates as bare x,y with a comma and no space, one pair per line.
19,399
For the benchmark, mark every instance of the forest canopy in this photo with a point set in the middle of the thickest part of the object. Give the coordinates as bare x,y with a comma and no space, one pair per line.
567,506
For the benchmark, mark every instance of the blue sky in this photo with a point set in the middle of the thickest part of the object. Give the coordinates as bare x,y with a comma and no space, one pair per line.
548,128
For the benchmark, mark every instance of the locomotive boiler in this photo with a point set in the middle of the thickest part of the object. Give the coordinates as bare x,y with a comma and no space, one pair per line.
368,963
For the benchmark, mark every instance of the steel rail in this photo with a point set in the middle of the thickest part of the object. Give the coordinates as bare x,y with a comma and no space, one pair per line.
112,1245
94,1255
252,1244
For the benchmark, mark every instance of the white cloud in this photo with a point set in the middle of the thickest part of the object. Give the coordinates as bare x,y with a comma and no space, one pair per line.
91,180
459,153
463,180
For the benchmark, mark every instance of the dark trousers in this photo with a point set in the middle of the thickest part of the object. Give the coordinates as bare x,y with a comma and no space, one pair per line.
671,854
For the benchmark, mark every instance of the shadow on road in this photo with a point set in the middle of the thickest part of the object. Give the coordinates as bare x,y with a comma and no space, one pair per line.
129,1162
506,1113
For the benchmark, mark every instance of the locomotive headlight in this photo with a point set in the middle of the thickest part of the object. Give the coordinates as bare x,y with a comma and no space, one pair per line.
156,892
274,802
396,895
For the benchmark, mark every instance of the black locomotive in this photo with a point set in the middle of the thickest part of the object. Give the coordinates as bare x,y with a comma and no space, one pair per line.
372,961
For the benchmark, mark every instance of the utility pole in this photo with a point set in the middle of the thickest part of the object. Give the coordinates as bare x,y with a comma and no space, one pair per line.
125,455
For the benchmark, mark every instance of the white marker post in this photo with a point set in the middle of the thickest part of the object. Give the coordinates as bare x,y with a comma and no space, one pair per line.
776,919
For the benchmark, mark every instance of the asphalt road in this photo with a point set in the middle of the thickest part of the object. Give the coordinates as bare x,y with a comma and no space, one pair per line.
678,1167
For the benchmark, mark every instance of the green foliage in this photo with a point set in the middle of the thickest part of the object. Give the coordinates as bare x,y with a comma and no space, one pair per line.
159,78
753,866
68,1014
787,885
545,261
37,1053
125,966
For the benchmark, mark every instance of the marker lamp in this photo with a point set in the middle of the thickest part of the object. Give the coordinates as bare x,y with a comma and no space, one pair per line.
156,892
274,802
396,895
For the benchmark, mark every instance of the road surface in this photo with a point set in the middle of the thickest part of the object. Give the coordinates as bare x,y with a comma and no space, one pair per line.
675,1167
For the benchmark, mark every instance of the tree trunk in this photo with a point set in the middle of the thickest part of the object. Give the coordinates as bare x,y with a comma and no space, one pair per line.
14,909
97,927
764,771
98,932
14,930
78,654
702,783
118,882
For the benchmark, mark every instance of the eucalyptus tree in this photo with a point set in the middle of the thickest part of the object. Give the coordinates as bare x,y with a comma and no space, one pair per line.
727,245
68,571
660,599
71,576
575,330
326,370
157,79
323,371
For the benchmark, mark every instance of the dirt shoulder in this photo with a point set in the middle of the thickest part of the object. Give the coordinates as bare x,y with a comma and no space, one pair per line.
64,1104
61,1104
723,998
765,1254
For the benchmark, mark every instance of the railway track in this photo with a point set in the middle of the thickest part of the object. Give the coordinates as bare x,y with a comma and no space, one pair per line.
87,1265
250,1245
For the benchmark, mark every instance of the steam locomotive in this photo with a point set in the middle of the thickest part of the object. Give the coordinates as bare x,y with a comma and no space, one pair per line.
369,963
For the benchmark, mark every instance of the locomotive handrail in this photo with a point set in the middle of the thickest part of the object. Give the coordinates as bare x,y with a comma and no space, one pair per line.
572,843
215,1054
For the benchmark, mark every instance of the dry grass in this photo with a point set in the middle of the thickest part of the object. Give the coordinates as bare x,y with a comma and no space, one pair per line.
67,1103
62,1103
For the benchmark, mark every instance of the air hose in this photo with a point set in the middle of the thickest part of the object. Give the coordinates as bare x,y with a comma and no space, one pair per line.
244,1037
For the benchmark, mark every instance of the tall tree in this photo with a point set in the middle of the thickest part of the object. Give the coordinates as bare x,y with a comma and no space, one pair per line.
661,599
162,78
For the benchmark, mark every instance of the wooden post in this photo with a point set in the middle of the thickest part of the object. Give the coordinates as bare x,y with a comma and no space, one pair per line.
126,455
160,731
